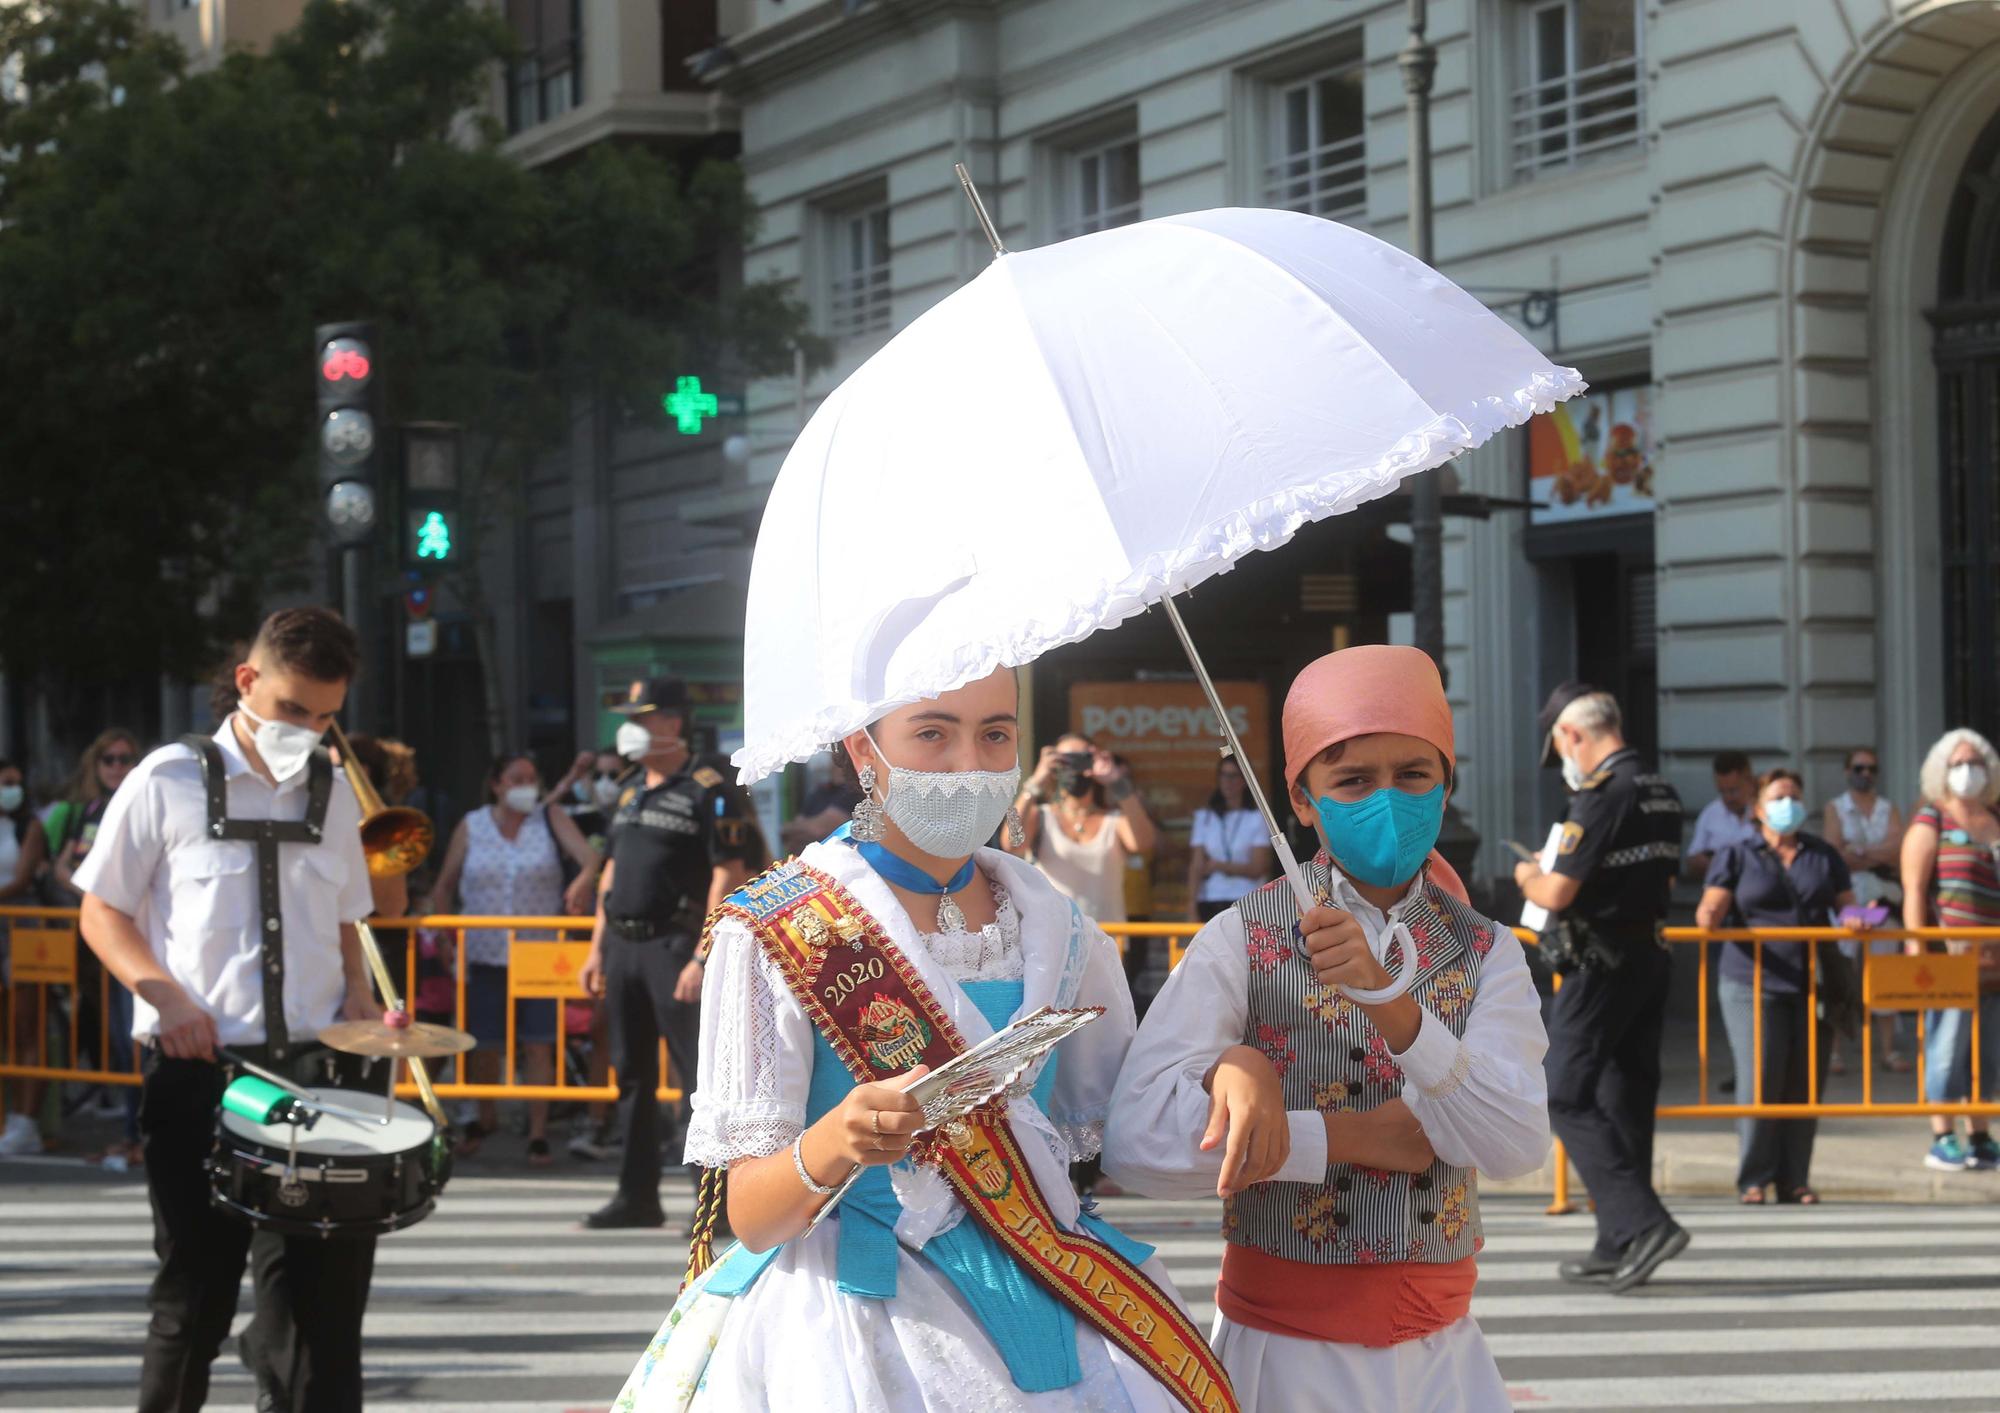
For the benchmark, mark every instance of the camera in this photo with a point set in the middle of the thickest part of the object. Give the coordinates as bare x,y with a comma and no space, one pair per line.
1076,762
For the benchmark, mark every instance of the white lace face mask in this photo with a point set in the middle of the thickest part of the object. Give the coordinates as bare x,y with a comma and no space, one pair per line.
948,813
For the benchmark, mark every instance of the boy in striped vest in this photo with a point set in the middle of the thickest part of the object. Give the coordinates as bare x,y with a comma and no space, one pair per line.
1344,1137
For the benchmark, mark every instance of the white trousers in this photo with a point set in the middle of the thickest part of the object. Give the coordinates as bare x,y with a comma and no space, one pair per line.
1451,1371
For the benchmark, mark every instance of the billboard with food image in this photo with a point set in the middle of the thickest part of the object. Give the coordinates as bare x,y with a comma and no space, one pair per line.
1592,457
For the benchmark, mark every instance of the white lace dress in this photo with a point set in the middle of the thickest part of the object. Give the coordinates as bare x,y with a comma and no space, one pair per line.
794,1340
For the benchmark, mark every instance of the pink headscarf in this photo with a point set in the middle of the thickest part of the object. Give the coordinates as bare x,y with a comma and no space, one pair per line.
1360,691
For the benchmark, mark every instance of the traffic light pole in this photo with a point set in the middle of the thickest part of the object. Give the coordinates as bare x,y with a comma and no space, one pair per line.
354,607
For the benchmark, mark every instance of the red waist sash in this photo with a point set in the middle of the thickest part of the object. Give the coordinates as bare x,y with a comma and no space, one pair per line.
1372,1305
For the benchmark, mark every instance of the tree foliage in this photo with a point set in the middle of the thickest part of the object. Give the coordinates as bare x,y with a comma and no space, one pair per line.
169,238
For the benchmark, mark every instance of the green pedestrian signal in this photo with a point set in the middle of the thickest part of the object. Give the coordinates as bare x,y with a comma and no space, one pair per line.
434,537
687,404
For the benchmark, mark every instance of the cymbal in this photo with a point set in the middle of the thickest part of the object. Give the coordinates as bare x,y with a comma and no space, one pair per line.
421,1040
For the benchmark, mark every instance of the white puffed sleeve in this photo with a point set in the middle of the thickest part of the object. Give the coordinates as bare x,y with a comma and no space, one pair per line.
1159,1110
1483,1101
1080,1099
756,1056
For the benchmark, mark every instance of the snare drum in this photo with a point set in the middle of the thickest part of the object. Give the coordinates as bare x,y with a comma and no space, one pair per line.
341,1177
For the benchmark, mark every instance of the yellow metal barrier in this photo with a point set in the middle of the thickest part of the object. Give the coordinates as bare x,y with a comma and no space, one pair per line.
546,956
1922,982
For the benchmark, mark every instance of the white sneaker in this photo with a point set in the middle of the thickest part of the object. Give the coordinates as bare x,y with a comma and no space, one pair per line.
21,1136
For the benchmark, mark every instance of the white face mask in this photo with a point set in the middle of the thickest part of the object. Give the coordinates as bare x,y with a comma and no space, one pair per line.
605,790
1967,780
521,798
1573,774
285,748
10,798
948,813
633,740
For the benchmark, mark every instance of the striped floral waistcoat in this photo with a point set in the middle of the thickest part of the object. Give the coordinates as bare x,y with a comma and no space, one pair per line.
1329,1055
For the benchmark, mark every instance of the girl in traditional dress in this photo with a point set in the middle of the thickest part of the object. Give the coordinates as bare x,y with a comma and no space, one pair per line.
904,1299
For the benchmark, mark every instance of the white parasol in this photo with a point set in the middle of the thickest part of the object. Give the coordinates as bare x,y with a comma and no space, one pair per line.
1087,429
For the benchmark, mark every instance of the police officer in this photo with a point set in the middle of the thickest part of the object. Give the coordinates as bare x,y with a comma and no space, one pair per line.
1614,868
681,841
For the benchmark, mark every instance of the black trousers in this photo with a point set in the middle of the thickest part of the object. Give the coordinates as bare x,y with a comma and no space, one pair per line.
1603,1068
1773,1150
304,1341
639,980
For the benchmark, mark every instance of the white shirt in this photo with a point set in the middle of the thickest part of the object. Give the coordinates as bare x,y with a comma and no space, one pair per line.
1482,1100
194,897
1717,827
1232,837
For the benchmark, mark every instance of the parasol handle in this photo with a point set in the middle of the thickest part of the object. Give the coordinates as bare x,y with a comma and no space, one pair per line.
1280,846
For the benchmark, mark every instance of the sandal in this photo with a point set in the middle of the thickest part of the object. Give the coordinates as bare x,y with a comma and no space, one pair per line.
1896,1062
1751,1197
538,1153
1803,1197
469,1139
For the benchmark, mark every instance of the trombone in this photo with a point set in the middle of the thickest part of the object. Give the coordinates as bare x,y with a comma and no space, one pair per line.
395,839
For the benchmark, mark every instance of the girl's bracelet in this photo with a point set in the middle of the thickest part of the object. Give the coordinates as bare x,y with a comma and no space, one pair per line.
799,1165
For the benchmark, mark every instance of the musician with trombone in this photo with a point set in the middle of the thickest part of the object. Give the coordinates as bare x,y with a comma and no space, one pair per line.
223,890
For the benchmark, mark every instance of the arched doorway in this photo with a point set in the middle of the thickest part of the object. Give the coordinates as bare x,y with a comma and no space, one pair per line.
1966,346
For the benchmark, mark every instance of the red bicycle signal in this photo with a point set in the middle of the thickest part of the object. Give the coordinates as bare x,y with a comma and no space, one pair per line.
344,361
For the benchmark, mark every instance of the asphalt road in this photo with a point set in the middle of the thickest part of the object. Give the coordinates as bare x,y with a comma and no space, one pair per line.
501,1303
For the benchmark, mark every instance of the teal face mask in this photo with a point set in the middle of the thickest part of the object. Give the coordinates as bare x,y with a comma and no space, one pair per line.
1382,839
1785,814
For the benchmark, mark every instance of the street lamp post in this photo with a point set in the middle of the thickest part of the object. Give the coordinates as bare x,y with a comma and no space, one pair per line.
1419,63
1458,841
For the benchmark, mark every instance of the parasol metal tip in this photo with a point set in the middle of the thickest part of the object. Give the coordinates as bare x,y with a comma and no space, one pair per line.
979,208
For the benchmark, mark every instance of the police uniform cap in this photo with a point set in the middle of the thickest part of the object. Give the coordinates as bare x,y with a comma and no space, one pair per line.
654,694
1558,702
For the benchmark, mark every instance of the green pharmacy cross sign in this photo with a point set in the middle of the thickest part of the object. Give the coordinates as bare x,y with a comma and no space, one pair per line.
687,404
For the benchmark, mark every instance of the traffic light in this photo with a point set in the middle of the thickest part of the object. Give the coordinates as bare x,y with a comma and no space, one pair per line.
431,538
348,442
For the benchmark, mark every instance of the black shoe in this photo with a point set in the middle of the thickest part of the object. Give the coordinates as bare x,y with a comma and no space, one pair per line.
617,1214
1650,1250
1589,1270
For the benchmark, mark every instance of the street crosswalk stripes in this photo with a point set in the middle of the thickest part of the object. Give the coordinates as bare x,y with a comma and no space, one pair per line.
500,1302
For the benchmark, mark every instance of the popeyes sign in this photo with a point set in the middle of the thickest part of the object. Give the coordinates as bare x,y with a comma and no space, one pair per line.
1169,734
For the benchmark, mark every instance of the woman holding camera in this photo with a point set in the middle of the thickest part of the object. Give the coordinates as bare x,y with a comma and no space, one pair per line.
1082,819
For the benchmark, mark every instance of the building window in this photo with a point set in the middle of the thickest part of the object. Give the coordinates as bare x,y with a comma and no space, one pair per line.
1316,154
1099,187
857,275
546,77
1579,93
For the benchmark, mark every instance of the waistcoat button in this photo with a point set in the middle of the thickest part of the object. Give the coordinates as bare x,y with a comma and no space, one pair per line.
1357,1054
1427,1217
1421,1182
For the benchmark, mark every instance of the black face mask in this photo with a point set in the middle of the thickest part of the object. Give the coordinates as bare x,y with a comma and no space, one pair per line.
1076,785
1860,783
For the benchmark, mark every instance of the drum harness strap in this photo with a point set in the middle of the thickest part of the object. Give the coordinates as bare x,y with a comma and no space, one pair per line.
267,835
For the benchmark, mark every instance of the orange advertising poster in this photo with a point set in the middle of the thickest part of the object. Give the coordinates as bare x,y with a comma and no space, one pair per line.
1592,457
1168,733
